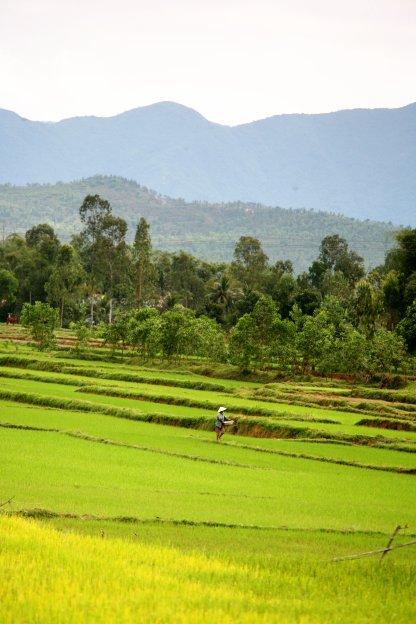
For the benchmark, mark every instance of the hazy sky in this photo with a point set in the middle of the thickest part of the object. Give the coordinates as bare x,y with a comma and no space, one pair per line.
233,61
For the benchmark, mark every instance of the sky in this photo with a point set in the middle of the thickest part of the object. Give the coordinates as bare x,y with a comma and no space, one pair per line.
234,61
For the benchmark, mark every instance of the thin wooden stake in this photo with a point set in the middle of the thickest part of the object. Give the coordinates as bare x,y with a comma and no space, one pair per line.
396,530
8,501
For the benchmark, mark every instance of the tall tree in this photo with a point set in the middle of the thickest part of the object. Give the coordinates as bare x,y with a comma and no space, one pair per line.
142,253
186,282
17,258
335,256
366,306
93,213
392,289
43,238
43,246
258,336
317,344
410,289
406,328
281,285
112,249
332,248
250,263
406,254
65,280
8,288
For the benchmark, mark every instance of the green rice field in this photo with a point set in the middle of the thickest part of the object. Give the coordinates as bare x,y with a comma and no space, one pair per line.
118,504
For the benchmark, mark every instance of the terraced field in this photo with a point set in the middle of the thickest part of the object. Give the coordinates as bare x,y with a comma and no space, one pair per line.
112,469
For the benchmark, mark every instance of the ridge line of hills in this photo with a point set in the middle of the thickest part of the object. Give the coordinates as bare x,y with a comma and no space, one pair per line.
206,230
360,163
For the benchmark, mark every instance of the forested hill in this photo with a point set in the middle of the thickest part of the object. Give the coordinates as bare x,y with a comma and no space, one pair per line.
208,231
359,163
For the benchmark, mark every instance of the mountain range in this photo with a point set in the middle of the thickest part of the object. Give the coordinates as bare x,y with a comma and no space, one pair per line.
359,163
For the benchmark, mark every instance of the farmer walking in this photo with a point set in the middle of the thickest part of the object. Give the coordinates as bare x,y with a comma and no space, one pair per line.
221,423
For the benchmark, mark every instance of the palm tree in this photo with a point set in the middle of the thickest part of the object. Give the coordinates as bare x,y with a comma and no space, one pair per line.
224,295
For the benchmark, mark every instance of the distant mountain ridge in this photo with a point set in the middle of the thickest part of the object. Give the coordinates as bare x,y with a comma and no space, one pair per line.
360,163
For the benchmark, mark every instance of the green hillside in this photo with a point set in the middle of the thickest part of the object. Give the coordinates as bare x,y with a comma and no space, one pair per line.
206,230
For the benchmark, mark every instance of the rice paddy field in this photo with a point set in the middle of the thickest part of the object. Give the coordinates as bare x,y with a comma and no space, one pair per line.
118,504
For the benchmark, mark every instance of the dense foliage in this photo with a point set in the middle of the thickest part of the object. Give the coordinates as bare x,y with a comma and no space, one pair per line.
334,317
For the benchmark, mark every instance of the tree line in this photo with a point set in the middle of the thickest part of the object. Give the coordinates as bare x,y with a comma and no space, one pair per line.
334,317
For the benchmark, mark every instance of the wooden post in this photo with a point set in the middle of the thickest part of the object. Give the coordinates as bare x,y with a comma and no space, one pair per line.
375,552
396,530
6,502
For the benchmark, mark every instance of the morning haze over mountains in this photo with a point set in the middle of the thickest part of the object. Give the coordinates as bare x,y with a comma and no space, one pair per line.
357,163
